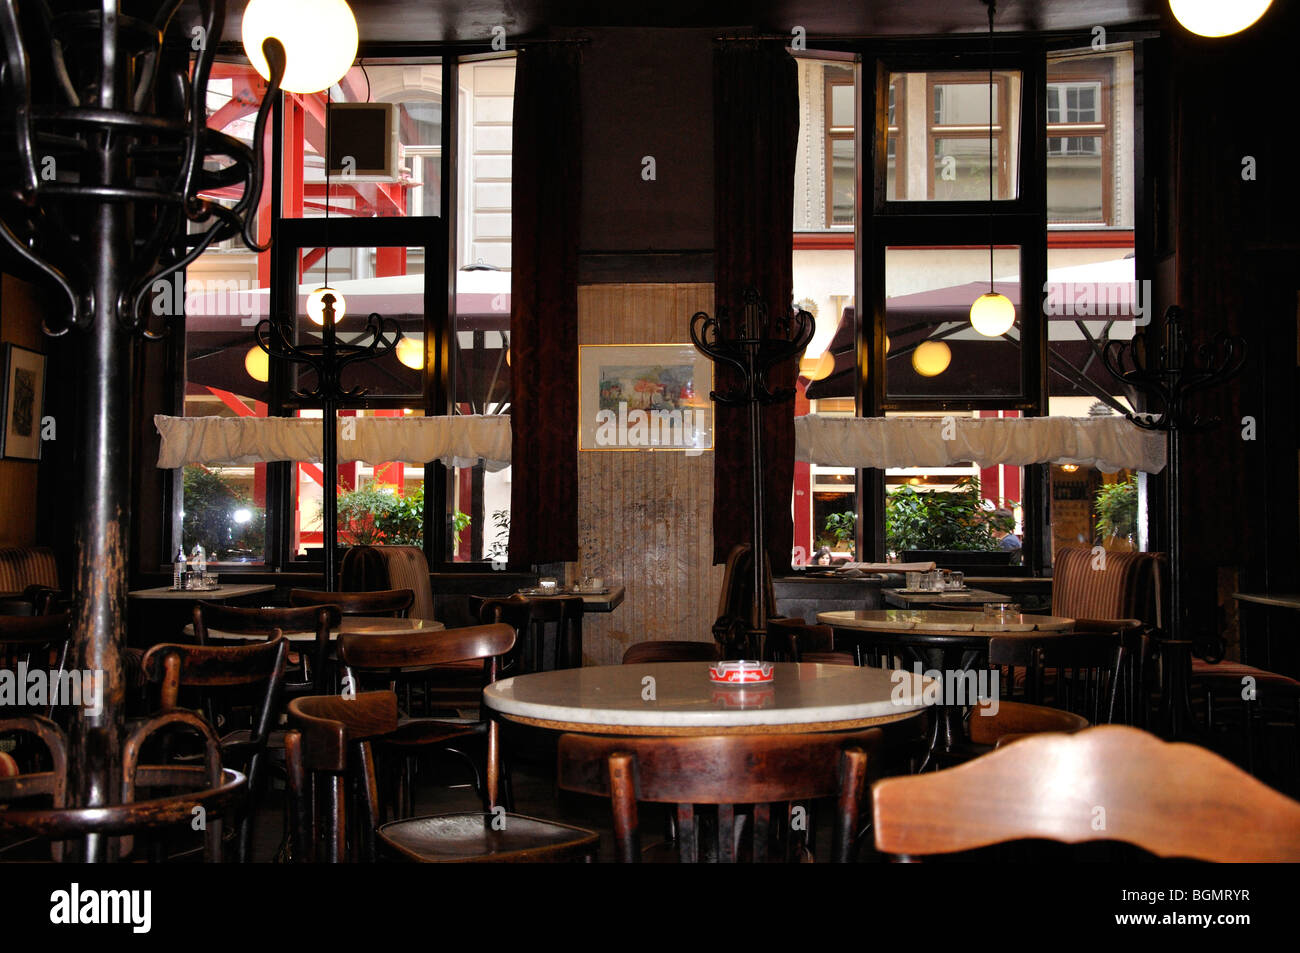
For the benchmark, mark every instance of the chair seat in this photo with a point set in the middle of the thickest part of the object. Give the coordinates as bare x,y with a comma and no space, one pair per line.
472,837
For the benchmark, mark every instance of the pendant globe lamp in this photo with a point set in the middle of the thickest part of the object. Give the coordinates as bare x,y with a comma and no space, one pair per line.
992,314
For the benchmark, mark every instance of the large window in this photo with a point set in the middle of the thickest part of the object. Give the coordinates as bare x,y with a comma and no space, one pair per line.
1063,133
270,513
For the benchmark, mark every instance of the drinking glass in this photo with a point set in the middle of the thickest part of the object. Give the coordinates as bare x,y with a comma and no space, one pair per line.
913,580
1002,611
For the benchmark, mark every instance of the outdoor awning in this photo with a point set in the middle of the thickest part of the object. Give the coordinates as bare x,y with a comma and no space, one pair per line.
458,441
1107,443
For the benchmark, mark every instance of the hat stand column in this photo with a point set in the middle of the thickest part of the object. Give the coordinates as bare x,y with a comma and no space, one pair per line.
1168,372
752,344
109,141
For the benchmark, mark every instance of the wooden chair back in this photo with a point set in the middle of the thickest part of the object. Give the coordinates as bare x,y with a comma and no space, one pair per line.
321,619
411,654
1080,672
671,650
384,602
328,733
562,617
171,773
38,642
736,602
224,675
1110,783
721,770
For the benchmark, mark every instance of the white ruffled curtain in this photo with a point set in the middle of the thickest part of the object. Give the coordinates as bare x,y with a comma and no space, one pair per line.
458,441
1108,443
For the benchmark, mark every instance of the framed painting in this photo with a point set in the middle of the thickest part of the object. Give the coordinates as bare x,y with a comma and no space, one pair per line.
24,396
644,397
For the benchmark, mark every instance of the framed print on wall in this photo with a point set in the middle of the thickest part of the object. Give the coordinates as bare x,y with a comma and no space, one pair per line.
24,396
644,397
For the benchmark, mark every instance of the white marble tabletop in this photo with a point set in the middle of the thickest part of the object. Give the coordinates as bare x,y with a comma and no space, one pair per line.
939,621
678,698
226,591
359,624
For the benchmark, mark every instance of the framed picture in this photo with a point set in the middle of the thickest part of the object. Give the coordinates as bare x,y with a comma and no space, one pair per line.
24,396
644,397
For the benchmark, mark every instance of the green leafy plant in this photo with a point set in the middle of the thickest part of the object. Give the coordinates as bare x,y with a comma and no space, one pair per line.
377,515
221,517
841,527
938,520
500,548
1116,506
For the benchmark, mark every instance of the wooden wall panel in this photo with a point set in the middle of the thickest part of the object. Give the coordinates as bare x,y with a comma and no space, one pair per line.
20,323
645,518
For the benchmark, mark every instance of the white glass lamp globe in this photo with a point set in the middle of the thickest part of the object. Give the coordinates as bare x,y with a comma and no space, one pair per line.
258,364
319,39
410,352
992,315
316,306
825,365
931,358
1218,17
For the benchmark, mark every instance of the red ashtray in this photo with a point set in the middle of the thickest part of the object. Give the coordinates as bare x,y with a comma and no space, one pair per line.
740,672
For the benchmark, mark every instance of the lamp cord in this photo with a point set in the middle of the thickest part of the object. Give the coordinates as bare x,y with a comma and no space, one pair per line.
992,6
329,91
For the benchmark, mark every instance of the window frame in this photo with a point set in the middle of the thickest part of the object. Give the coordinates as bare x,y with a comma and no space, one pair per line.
832,134
1081,70
439,372
935,131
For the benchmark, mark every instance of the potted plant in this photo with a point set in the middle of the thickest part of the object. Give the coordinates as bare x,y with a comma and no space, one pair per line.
948,527
1116,506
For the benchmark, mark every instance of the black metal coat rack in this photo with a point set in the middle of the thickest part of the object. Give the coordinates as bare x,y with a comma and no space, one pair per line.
753,343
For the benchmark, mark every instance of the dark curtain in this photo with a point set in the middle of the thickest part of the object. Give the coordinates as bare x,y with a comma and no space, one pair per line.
544,306
756,130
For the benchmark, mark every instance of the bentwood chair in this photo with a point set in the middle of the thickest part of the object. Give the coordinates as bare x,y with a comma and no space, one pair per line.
311,672
386,602
249,677
395,659
559,617
331,751
1110,783
1118,594
723,771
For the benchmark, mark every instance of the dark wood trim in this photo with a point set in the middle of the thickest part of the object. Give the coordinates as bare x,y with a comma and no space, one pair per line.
651,267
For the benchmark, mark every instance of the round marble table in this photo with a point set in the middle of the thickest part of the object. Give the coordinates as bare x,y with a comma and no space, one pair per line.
677,698
358,624
956,624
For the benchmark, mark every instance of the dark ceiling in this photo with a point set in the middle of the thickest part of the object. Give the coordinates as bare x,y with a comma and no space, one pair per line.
415,21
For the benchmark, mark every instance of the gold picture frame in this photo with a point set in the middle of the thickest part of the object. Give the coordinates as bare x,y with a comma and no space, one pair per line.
644,397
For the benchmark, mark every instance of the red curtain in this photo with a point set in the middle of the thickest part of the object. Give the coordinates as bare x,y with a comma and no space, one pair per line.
756,131
544,306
